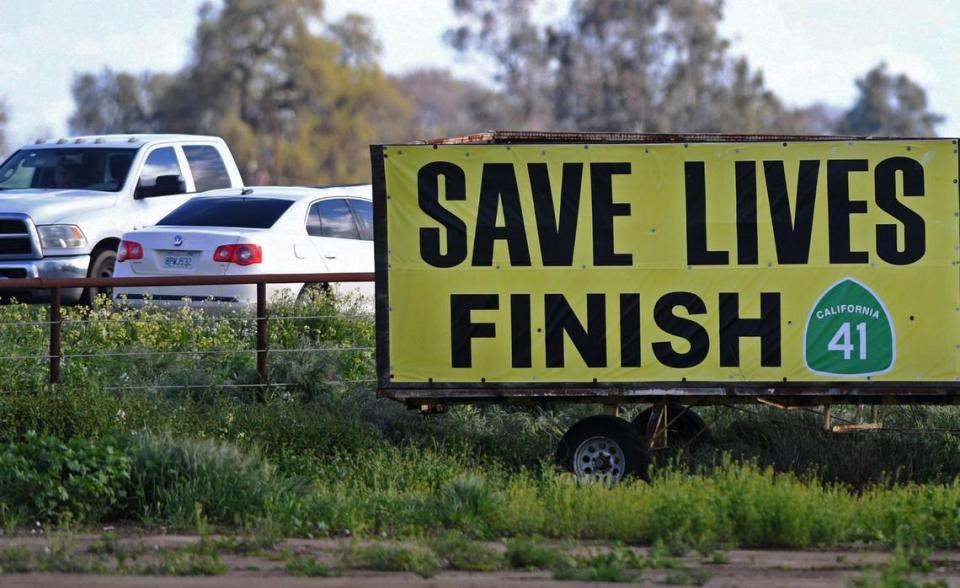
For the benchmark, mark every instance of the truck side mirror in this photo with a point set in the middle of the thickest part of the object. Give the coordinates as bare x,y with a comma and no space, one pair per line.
163,186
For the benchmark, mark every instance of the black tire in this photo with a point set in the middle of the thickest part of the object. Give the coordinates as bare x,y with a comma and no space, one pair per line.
686,428
102,264
601,463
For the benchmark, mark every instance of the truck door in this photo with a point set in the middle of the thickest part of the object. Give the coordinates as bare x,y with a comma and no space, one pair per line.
206,167
161,186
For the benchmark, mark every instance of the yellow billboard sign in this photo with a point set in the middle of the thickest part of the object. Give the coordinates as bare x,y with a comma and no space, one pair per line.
760,262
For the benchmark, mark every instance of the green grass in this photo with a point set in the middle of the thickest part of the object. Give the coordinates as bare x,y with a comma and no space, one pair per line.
191,484
906,568
327,458
177,481
687,577
615,565
461,553
534,554
15,559
182,562
308,566
387,557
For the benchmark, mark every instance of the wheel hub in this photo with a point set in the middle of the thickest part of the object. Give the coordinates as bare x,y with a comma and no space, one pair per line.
599,459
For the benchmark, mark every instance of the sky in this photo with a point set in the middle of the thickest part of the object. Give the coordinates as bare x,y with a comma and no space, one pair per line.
808,50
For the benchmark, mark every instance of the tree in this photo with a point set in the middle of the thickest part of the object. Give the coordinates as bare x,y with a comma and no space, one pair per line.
445,106
299,99
889,105
115,102
620,65
502,31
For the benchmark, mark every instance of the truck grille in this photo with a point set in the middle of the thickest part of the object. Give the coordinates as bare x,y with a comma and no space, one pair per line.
18,238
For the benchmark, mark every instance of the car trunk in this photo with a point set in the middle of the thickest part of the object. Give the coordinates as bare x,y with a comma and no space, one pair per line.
186,252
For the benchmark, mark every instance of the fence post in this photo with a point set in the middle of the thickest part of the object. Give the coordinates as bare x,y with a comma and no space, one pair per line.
55,353
262,341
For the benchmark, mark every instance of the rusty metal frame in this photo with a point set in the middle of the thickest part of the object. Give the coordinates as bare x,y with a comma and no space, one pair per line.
552,137
709,394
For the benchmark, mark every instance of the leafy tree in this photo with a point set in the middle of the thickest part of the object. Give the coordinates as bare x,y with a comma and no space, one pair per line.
445,106
115,102
620,65
817,118
298,98
502,31
889,105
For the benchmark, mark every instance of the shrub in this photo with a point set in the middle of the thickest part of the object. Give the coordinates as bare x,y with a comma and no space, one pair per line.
43,478
61,412
172,478
466,503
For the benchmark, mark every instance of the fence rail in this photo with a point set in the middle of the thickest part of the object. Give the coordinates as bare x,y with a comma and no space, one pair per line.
56,286
260,279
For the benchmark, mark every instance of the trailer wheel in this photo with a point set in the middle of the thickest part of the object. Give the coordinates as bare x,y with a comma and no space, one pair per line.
675,425
604,449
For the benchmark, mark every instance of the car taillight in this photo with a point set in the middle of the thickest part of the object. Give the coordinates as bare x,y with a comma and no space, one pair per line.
129,250
244,254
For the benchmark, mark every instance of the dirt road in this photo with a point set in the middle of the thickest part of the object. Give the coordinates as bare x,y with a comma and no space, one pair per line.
101,561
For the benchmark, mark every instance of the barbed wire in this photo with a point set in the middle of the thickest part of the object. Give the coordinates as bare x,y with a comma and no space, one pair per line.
198,386
47,356
213,352
202,386
24,357
252,319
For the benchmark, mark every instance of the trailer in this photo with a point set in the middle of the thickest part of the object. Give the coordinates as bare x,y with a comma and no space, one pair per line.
674,270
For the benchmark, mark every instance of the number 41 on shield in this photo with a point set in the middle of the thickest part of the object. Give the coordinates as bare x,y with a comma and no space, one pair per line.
841,341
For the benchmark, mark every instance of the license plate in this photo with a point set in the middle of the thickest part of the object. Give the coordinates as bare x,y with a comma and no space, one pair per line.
178,261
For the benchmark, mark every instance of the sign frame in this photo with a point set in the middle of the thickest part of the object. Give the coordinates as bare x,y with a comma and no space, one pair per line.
431,393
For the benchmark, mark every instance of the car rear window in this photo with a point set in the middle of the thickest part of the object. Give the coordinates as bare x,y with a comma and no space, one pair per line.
240,212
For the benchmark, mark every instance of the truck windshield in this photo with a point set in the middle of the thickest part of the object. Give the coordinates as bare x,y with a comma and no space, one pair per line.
239,212
67,168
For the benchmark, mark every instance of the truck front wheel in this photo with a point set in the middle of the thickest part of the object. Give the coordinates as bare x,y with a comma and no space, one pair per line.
604,449
102,263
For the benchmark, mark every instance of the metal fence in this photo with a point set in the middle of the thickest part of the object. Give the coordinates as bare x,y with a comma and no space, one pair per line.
262,345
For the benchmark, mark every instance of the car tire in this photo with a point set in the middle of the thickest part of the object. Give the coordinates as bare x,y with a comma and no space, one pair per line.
102,264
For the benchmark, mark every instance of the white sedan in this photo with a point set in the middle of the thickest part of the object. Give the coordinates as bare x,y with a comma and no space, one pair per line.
260,230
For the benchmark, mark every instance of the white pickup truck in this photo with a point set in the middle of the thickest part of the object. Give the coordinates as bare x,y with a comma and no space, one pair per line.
64,204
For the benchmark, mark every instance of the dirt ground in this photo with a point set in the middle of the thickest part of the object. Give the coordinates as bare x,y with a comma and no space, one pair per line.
742,568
